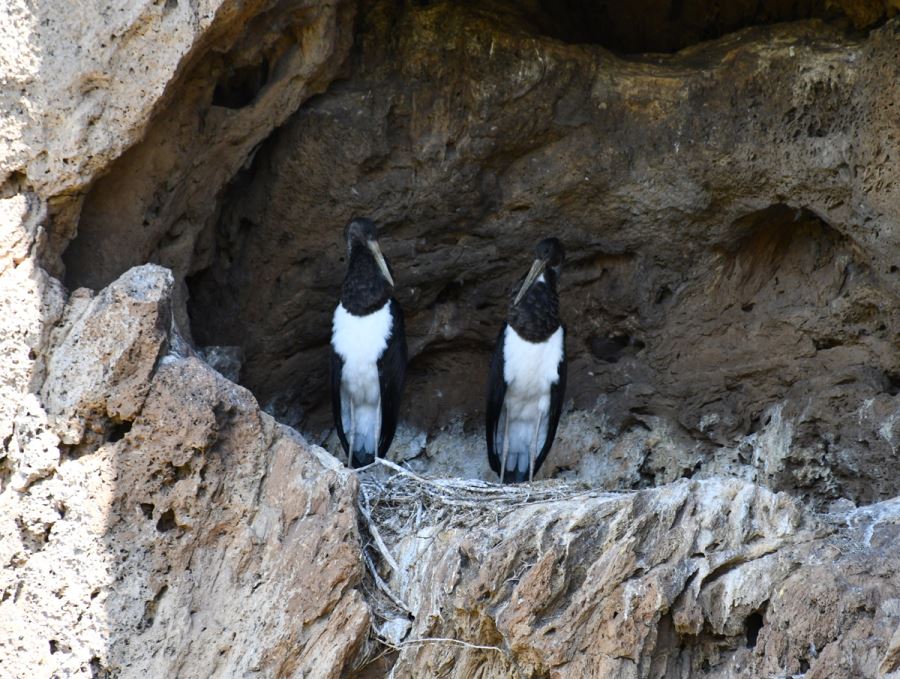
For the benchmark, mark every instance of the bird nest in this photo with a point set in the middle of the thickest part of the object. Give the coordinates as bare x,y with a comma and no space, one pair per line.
395,503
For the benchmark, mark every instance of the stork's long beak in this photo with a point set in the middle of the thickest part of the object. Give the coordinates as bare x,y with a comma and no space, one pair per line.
536,270
376,251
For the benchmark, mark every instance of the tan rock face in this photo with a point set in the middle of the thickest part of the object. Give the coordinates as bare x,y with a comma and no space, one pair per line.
97,368
154,521
713,578
32,302
234,510
83,80
259,63
172,506
89,513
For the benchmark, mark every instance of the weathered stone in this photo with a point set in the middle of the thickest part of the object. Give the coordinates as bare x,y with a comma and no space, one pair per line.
731,213
106,350
256,70
715,578
80,556
239,538
31,302
197,532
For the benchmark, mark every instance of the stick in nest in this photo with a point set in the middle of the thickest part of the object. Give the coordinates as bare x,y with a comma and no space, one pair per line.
405,504
445,640
373,530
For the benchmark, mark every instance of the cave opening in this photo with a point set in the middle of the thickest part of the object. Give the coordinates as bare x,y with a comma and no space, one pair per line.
753,626
704,292
651,26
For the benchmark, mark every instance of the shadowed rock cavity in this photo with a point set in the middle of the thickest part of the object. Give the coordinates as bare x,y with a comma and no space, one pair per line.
259,67
730,213
671,25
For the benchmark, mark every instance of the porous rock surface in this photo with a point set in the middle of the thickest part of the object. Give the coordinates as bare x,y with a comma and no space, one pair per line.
157,503
154,521
713,578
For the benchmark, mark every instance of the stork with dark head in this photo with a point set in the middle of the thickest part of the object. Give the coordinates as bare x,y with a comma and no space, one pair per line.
527,380
368,350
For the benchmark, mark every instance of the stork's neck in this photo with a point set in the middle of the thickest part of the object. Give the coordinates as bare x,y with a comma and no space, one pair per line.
536,316
365,289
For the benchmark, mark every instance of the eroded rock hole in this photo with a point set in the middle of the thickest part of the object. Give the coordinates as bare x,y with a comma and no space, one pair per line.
118,431
239,85
892,383
98,670
752,627
166,521
151,606
179,472
609,349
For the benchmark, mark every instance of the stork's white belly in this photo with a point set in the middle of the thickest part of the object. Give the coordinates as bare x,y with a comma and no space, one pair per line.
530,369
360,341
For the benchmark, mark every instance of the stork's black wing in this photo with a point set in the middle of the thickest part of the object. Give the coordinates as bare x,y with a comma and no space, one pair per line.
557,396
337,365
496,392
391,377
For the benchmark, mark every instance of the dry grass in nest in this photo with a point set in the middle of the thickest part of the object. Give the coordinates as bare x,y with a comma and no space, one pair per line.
395,503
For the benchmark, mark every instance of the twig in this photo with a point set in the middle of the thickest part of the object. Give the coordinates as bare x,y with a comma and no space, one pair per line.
402,505
444,640
382,547
383,586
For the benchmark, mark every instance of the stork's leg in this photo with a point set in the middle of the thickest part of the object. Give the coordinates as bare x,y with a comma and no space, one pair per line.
378,429
505,414
533,452
352,430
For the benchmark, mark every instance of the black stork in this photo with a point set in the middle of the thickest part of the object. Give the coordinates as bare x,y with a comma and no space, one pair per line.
527,381
368,350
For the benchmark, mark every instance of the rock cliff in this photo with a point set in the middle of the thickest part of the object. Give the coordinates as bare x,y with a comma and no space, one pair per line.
722,499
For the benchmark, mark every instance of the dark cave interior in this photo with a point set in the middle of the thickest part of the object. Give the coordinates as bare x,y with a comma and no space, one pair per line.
715,275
